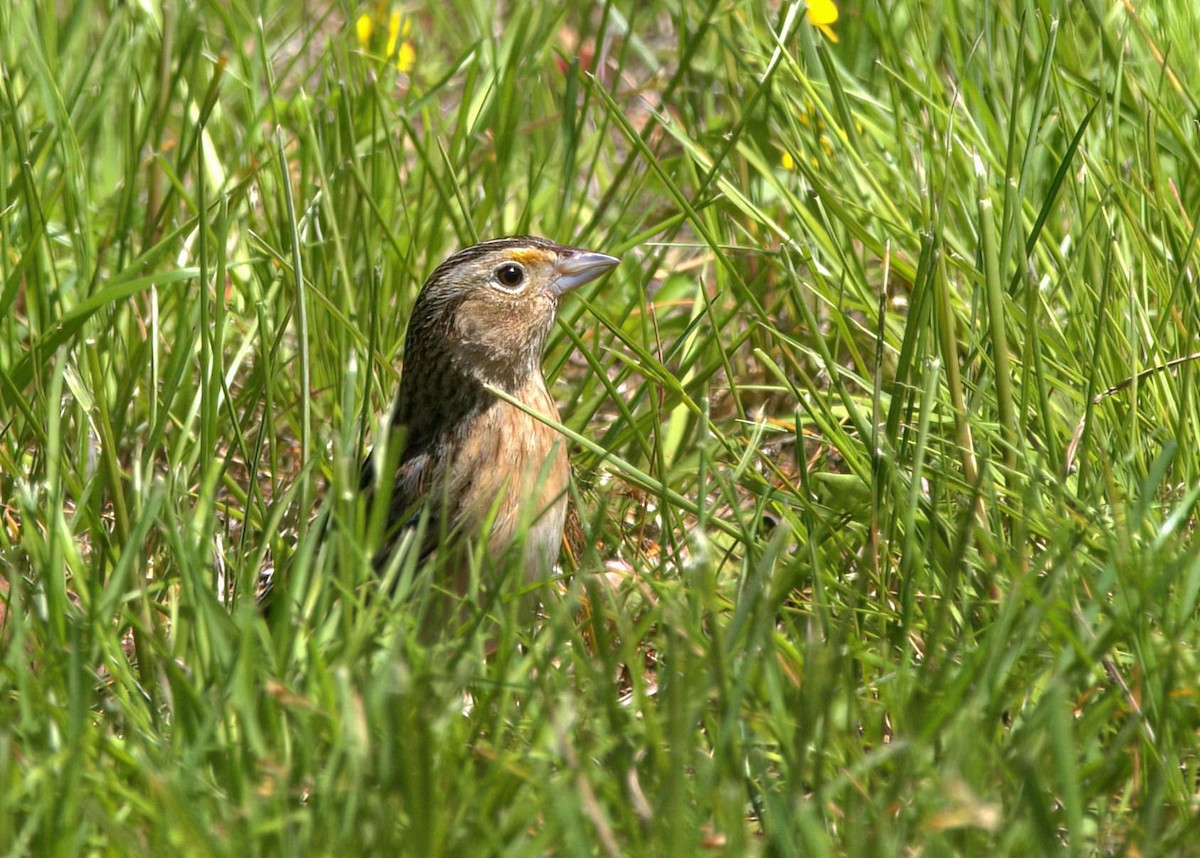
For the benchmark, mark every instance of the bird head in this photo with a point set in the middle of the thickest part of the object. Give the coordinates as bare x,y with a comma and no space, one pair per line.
485,312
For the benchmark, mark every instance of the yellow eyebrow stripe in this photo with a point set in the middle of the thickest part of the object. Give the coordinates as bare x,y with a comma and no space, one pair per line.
528,256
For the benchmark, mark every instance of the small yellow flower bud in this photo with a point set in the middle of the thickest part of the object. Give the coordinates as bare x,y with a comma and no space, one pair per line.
394,21
363,28
406,57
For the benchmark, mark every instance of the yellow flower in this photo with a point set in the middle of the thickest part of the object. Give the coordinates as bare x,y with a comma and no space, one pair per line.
787,161
399,26
821,14
363,27
406,57
394,20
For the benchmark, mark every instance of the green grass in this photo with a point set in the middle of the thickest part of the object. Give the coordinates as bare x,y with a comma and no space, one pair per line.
887,479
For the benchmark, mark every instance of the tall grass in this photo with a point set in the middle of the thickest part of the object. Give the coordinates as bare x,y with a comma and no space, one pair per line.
882,438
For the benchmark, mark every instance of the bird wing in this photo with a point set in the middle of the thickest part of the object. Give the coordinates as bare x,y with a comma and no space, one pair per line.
411,498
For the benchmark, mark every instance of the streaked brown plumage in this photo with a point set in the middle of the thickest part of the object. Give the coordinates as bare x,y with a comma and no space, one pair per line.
467,457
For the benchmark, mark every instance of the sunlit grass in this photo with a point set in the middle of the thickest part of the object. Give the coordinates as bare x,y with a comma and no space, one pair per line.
881,432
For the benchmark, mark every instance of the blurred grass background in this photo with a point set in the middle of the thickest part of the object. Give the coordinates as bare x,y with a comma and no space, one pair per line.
885,447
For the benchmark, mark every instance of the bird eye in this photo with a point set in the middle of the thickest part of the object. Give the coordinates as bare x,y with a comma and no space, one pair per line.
510,275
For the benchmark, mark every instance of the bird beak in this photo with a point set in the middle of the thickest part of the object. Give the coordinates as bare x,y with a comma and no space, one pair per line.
576,267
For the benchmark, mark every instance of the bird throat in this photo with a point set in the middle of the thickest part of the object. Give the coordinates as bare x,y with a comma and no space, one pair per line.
442,402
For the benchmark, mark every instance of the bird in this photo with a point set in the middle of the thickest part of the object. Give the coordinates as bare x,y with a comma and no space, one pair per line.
475,466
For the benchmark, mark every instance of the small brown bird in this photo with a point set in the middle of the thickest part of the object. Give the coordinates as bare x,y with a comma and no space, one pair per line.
467,458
